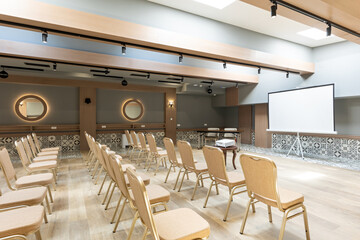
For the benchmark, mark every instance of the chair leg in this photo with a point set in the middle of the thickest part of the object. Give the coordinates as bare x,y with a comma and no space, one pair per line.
167,175
269,213
246,215
95,170
116,209
283,224
102,185
53,185
177,179
38,235
119,217
217,188
229,202
112,192
133,225
54,175
195,188
145,233
48,205
182,180
253,207
157,165
45,217
306,224
98,176
208,193
107,193
49,193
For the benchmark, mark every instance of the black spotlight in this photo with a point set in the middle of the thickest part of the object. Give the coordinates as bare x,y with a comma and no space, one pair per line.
3,74
209,90
224,65
123,49
287,74
44,36
328,30
273,9
87,100
259,70
124,82
181,57
54,67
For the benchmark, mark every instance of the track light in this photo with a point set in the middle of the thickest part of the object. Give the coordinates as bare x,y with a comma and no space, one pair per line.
54,67
123,49
287,74
181,58
224,65
106,72
124,83
3,74
209,90
148,76
44,36
328,30
273,9
259,70
237,85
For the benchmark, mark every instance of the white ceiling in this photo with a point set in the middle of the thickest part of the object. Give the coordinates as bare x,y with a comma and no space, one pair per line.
250,17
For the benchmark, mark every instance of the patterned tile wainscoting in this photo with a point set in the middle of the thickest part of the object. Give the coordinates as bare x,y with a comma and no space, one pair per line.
189,136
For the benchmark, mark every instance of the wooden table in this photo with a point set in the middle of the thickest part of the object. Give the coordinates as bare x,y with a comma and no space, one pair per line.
231,148
203,132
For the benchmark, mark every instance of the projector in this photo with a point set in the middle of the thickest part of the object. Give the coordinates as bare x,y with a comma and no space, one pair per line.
225,143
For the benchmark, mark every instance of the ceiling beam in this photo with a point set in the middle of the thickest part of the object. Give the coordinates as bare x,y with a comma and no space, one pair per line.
69,56
60,20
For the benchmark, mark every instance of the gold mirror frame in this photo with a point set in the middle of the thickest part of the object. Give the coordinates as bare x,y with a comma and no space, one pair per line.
127,102
17,105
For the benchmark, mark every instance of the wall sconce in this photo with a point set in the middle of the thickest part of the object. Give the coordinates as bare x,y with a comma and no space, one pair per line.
171,103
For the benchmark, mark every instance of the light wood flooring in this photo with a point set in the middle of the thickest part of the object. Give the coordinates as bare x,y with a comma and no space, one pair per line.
332,198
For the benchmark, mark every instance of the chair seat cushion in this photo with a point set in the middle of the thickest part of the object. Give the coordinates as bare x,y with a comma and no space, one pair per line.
235,178
29,197
125,166
162,153
41,179
43,165
50,149
46,153
201,167
45,158
288,198
21,221
156,194
182,223
143,176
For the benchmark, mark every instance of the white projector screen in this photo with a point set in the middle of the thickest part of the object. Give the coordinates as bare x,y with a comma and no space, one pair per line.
303,110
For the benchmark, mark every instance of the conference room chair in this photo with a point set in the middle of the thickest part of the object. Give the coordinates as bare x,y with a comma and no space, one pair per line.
187,158
155,155
89,155
41,179
38,145
211,135
32,156
230,135
35,151
181,223
130,143
158,196
34,167
135,145
19,222
144,148
215,161
261,181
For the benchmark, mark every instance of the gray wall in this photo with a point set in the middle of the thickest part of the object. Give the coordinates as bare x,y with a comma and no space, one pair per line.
63,103
231,117
347,118
109,102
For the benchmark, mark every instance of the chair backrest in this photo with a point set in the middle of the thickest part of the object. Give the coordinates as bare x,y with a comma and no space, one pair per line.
37,143
186,154
21,151
152,144
229,135
32,144
7,166
134,139
87,139
28,151
99,155
142,202
106,156
260,176
170,150
128,138
210,134
215,161
142,141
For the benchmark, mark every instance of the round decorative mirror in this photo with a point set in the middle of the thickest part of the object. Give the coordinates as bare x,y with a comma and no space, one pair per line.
31,108
133,109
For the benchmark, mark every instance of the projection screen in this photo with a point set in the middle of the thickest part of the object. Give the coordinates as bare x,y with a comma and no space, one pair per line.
303,110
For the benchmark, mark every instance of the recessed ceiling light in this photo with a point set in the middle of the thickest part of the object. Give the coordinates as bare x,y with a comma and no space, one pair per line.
313,33
219,4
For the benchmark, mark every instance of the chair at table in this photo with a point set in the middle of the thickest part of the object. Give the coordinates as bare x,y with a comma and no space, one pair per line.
211,136
181,223
190,165
174,161
38,146
215,161
261,181
230,135
155,154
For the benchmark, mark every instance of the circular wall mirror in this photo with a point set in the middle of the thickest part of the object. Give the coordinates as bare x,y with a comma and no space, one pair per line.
133,109
31,108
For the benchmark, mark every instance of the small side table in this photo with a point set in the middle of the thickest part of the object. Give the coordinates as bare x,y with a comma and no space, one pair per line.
231,148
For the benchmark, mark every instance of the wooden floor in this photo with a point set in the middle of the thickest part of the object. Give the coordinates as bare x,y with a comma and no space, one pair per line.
332,198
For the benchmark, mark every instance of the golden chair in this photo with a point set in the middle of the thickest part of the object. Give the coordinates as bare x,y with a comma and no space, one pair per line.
174,161
33,157
181,223
37,143
215,161
261,181
212,136
135,144
130,143
35,151
155,154
190,165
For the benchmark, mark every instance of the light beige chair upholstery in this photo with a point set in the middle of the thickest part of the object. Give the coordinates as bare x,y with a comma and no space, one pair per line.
187,158
34,150
174,161
21,222
261,180
215,161
211,136
38,146
230,135
155,155
42,179
145,148
32,156
130,143
135,145
178,224
157,194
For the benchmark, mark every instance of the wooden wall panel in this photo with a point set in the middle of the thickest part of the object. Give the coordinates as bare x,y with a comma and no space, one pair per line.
87,115
232,96
170,114
262,137
245,122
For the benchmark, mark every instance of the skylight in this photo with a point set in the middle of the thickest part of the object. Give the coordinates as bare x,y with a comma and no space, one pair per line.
219,4
313,33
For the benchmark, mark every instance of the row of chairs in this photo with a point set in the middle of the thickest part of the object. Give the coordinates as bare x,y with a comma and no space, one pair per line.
259,180
143,198
22,209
